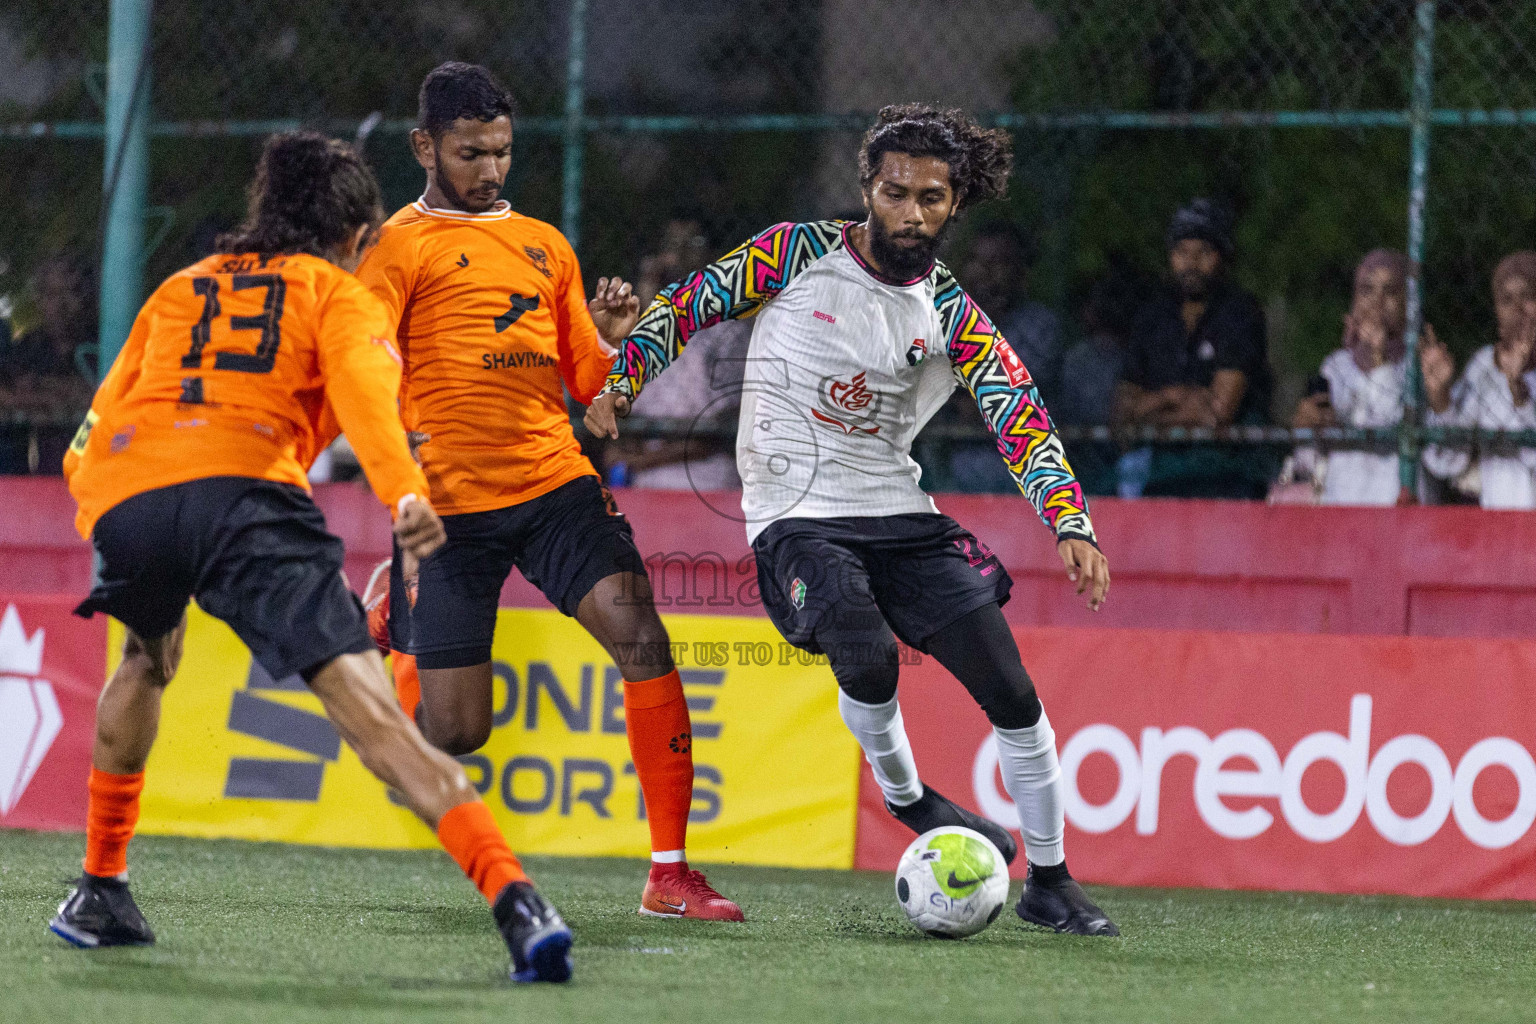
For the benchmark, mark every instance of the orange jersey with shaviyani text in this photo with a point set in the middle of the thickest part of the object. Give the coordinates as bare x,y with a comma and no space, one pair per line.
238,366
491,319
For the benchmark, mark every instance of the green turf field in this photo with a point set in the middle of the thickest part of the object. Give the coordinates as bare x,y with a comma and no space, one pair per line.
262,932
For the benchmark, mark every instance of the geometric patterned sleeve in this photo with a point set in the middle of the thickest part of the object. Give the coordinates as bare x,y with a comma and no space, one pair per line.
733,287
1010,403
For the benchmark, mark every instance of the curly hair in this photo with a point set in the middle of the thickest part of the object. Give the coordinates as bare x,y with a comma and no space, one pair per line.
454,90
979,159
310,193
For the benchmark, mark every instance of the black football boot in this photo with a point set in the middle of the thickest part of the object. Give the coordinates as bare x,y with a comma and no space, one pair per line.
539,940
1053,899
935,810
101,912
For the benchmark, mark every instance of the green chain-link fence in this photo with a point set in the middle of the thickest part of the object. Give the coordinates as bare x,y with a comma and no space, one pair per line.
1328,127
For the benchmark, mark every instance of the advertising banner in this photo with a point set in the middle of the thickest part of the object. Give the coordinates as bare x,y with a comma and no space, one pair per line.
1265,761
776,774
1259,761
50,676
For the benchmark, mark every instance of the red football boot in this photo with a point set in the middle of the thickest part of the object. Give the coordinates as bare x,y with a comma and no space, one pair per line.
674,891
376,604
403,666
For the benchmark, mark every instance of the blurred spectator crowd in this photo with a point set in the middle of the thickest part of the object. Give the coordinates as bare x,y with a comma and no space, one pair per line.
1187,352
46,333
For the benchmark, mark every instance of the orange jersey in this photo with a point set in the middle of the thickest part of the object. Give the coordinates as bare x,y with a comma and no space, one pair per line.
491,318
242,367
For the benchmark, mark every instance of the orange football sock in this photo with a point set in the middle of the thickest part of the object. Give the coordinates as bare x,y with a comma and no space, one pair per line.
469,834
661,744
407,682
112,810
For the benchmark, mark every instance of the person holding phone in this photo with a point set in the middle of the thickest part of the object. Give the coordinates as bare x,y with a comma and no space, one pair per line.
1361,385
1495,392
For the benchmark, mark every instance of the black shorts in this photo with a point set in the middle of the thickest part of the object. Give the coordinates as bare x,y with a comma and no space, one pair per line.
254,553
562,542
920,571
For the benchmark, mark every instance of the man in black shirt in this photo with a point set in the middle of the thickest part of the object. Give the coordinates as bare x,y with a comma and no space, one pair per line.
1198,358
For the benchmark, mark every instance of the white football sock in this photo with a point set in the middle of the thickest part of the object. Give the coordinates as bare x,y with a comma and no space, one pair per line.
1032,776
879,730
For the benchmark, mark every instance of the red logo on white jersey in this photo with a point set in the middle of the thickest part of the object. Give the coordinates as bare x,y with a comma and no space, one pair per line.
851,396
828,317
1013,366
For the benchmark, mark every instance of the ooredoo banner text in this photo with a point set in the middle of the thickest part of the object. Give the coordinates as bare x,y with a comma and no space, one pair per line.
1260,761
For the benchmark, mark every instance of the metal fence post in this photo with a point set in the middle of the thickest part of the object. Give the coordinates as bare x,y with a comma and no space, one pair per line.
125,177
575,89
1419,109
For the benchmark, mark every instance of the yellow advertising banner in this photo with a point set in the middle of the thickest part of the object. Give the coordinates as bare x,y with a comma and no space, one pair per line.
776,774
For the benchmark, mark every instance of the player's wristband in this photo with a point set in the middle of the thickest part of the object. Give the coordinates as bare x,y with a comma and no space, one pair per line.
400,505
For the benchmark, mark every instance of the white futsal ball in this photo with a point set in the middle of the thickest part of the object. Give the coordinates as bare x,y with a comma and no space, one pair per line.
952,882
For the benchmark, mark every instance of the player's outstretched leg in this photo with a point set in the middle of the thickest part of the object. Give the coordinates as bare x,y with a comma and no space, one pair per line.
620,613
980,651
100,910
864,658
359,701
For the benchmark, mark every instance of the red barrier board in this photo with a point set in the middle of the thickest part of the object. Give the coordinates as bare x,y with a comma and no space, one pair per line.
51,665
1219,565
1262,704
1258,761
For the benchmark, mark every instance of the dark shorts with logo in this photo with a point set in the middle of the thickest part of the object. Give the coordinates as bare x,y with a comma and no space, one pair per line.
254,553
920,571
562,542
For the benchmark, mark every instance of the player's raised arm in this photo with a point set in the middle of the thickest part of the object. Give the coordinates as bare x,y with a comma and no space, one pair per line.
1010,403
732,288
588,332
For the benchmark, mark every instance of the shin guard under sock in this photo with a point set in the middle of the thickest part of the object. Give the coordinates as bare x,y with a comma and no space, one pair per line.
661,745
407,682
469,834
1032,776
880,732
112,811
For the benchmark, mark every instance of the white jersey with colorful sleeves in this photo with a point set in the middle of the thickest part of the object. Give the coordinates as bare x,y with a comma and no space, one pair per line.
844,368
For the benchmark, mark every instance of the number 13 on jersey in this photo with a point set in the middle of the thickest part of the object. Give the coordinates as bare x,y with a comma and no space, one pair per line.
268,322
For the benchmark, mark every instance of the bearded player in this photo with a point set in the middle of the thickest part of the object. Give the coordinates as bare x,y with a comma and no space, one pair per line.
491,319
860,335
189,475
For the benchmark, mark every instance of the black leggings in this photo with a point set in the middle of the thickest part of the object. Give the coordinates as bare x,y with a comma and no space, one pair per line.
978,649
